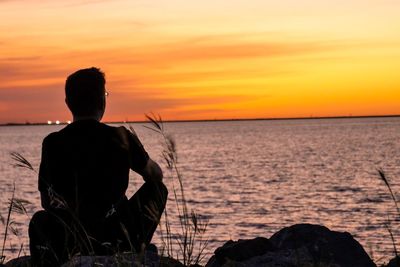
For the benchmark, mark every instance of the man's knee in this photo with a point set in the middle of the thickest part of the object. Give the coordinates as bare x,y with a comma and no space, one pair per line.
39,238
39,220
159,191
47,239
39,216
43,227
163,190
45,220
155,193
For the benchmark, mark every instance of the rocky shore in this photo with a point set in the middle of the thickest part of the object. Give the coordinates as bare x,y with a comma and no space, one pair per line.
300,245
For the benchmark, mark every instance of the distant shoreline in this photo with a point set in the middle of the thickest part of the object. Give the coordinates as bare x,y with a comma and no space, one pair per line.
211,120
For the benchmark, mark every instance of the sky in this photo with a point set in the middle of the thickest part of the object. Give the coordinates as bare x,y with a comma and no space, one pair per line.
208,59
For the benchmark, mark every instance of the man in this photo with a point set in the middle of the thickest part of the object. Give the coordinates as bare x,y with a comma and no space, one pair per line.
83,177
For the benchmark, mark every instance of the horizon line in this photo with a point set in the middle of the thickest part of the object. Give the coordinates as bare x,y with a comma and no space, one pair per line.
211,120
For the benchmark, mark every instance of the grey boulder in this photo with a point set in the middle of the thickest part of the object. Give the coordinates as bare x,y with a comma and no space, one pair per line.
295,246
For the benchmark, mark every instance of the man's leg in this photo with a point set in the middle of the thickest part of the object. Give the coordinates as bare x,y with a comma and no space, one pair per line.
147,206
48,239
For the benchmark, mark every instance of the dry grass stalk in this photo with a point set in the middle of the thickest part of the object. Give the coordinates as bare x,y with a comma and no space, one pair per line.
190,241
383,177
21,161
15,206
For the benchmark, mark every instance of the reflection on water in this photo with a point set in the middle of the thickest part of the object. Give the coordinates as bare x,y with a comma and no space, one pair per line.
251,178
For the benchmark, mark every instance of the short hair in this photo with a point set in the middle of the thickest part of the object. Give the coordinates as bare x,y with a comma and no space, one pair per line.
84,91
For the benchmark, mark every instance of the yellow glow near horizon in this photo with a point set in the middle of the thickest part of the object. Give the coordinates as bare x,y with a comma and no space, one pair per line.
203,59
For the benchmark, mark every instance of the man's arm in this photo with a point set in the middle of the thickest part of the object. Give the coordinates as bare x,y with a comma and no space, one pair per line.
152,172
43,177
140,160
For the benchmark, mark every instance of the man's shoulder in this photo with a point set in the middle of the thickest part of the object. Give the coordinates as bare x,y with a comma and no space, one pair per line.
56,137
52,137
110,127
120,133
126,137
100,126
119,130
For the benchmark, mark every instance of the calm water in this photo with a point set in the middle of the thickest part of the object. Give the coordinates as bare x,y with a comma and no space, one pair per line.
252,178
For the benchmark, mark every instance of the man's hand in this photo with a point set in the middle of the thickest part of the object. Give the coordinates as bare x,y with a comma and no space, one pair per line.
152,172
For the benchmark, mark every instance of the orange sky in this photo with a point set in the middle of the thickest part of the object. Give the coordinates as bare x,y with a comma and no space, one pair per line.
203,59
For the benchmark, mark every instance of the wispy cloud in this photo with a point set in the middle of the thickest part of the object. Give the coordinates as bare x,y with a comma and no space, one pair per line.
168,106
184,76
171,53
10,59
60,3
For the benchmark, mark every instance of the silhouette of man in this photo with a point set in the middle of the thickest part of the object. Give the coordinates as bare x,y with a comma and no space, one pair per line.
83,177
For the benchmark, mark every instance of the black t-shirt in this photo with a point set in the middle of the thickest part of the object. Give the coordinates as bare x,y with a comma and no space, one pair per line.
86,166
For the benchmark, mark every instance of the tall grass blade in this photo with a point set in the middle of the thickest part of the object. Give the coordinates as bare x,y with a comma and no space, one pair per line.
151,128
18,205
392,238
126,234
154,122
7,223
20,250
21,161
386,181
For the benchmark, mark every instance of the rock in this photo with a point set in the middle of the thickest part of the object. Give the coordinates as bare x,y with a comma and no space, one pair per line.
235,256
298,245
242,249
170,262
282,258
24,261
87,261
150,259
325,246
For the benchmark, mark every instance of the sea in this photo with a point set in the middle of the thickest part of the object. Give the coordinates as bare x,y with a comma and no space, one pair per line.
248,179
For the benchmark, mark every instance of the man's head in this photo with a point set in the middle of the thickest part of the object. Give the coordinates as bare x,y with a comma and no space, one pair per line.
85,93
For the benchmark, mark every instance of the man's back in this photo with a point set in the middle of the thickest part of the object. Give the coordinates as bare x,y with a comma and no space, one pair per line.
87,164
